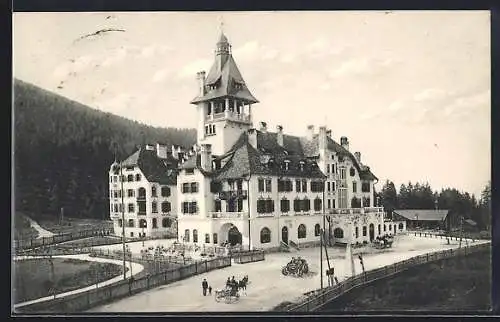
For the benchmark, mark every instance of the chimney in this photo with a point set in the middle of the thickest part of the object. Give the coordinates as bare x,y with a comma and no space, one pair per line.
329,133
161,150
206,157
322,140
279,134
263,127
200,76
344,142
252,137
310,132
175,155
358,156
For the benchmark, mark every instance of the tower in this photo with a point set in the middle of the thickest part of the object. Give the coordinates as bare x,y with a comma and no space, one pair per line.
224,103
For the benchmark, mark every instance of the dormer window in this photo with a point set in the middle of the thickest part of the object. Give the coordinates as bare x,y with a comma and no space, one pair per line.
286,165
301,165
270,163
352,172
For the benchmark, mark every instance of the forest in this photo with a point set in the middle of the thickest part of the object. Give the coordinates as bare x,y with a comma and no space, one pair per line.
422,196
63,151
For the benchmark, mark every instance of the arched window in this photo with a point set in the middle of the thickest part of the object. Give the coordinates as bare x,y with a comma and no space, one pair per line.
317,230
265,235
186,235
301,231
141,193
165,191
131,223
143,223
138,177
400,226
215,238
338,233
166,207
155,223
195,235
120,223
166,222
207,238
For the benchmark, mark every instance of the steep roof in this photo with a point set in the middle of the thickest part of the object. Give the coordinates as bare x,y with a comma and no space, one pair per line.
226,77
423,214
155,169
244,159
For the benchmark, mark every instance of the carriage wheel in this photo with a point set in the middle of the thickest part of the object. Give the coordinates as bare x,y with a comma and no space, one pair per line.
305,269
284,271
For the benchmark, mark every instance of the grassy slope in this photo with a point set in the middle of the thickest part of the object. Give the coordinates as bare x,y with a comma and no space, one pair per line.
70,274
23,229
457,284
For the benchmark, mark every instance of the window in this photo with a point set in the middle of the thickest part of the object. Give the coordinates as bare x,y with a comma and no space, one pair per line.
130,193
301,231
186,235
338,233
131,234
131,207
306,204
120,223
188,171
366,202
390,227
304,185
189,207
379,229
355,202
333,186
195,236
298,185
265,206
166,222
357,232
333,203
154,207
268,185
354,187
365,187
265,235
342,173
141,206
116,207
317,186
141,193
285,205
138,177
122,178
194,187
352,172
110,178
143,223
296,205
207,238
400,226
165,191
166,207
261,185
327,168
115,178
317,204
301,185
215,186
287,165
364,231
130,178
385,227
131,223
329,204
217,205
284,185
119,193
215,238
301,165
185,187
317,230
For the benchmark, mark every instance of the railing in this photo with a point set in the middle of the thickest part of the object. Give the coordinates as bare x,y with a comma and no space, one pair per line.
24,244
319,298
228,194
248,256
85,300
365,210
228,115
227,215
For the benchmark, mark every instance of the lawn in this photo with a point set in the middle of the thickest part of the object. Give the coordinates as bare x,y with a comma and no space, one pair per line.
70,225
91,242
455,284
32,278
22,228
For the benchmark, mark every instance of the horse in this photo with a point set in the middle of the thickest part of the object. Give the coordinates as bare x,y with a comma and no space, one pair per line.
242,285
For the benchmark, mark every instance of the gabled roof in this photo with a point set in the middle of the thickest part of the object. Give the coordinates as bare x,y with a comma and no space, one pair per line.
155,169
225,75
423,214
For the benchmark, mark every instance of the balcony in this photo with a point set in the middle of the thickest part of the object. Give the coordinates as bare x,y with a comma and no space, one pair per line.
346,211
227,215
141,198
233,194
229,116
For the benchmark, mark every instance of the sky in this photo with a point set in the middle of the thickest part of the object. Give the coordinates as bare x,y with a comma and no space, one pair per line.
410,89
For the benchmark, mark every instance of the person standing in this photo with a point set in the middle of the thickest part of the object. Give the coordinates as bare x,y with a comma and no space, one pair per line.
210,290
204,286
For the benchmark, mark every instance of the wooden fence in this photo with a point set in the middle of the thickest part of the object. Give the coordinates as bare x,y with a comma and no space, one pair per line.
248,256
102,295
319,298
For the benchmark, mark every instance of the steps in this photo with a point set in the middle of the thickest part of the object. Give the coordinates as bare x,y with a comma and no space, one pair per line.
293,245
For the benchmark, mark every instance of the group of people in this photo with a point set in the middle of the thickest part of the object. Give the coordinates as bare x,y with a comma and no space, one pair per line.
232,285
384,239
205,287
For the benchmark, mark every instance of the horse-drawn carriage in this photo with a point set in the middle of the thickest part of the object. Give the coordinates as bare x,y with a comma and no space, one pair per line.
296,267
382,242
231,293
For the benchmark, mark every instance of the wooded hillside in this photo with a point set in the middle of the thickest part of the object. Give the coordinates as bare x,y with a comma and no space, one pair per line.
63,151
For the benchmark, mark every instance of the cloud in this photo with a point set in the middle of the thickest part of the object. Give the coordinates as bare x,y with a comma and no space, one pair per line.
362,66
192,68
248,50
